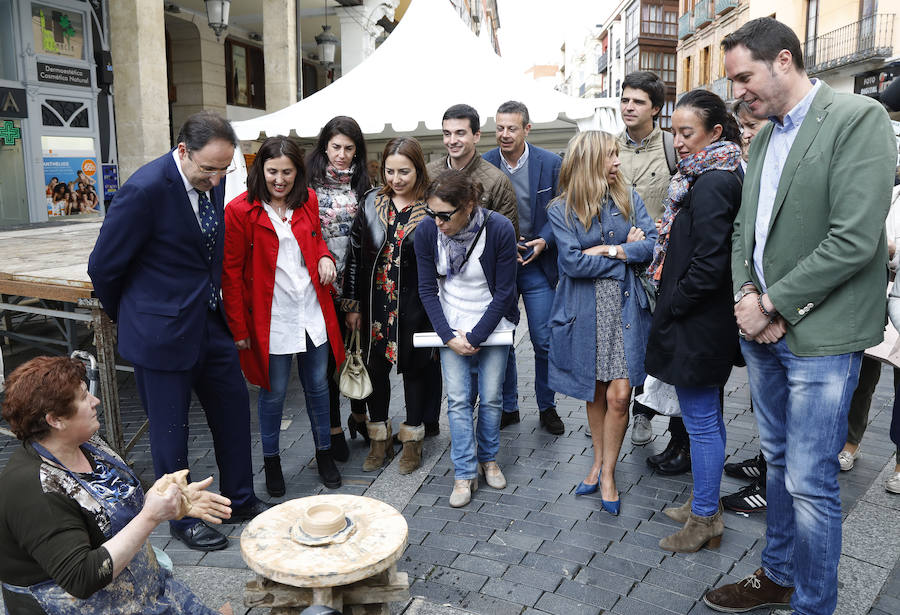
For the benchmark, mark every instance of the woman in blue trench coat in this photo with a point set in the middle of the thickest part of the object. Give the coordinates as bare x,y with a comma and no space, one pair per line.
600,318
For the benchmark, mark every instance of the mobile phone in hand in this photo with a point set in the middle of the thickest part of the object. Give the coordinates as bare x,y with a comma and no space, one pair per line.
529,251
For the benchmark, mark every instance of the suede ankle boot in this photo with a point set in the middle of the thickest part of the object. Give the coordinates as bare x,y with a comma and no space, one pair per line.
274,477
328,472
380,445
680,513
696,533
412,439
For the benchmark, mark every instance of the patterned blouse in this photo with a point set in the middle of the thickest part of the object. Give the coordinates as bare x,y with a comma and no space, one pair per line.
338,203
385,294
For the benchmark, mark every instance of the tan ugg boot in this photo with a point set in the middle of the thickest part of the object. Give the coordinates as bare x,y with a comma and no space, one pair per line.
412,439
380,445
680,513
696,533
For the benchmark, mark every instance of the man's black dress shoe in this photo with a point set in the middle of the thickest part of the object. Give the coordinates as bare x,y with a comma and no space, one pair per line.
245,513
679,463
200,537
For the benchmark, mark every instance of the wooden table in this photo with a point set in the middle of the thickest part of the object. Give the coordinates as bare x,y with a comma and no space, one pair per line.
358,575
50,263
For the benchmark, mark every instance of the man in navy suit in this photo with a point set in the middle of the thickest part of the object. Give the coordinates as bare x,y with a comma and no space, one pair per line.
534,173
157,269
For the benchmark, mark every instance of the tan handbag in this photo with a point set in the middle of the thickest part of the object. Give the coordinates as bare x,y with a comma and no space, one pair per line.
353,379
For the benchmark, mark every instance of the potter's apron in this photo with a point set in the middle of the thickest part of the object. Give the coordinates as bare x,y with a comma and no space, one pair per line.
142,588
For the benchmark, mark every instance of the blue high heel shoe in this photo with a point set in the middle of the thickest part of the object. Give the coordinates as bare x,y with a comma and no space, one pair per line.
584,488
610,507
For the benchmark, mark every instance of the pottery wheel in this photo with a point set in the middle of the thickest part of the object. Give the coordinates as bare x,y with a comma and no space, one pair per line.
380,538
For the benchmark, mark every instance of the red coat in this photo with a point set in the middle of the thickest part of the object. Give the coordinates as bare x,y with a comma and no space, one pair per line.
248,278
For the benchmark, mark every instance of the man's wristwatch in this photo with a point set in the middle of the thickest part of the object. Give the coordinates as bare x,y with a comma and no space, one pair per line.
612,251
743,292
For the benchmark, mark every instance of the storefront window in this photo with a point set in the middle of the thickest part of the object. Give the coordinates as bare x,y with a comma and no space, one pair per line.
7,43
57,32
13,198
71,176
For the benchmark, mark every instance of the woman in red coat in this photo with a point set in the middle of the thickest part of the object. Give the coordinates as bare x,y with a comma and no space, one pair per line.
277,281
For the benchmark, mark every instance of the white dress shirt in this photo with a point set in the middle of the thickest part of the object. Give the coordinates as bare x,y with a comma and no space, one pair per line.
295,307
192,194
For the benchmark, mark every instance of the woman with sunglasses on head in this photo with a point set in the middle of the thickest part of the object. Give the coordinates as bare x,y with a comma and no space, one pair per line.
381,288
277,279
339,175
467,281
694,338
600,317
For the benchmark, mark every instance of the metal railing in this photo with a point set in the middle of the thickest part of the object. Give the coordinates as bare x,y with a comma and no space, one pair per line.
685,25
870,37
723,6
702,13
602,62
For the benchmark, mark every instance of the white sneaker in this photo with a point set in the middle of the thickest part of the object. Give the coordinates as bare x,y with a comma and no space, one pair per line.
492,474
847,459
892,484
641,432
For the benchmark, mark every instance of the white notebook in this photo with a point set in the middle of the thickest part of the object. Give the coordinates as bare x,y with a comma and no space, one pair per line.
433,340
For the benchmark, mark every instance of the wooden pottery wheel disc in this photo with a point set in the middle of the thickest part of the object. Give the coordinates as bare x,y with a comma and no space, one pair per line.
377,542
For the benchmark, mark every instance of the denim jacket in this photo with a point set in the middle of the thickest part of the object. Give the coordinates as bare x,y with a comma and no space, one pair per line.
573,319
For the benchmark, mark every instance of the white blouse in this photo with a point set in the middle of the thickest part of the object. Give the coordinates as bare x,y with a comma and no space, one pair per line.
295,306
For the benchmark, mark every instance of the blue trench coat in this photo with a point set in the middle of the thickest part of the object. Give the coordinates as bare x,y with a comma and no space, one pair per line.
573,319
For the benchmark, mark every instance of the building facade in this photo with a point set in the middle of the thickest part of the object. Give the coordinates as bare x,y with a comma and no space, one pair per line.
57,135
640,35
702,24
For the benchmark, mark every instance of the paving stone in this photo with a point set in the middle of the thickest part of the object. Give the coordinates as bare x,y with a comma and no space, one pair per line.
227,558
459,579
437,592
417,570
512,592
438,512
560,605
514,499
557,521
480,565
519,541
429,555
566,568
566,551
503,553
636,554
425,523
487,605
587,594
478,532
600,530
538,493
534,578
698,572
676,583
605,561
415,537
507,511
460,544
492,521
532,529
630,606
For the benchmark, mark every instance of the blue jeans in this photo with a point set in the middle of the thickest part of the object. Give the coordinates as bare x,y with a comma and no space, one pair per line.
490,363
312,367
703,419
801,406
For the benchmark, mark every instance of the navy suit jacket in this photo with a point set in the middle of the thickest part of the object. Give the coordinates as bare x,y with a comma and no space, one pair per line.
151,270
543,179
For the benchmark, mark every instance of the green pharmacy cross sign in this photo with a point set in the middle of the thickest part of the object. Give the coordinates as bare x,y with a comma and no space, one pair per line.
9,132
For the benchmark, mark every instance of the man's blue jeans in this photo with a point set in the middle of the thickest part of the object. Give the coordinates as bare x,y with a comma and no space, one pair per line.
312,366
490,363
801,406
703,419
538,297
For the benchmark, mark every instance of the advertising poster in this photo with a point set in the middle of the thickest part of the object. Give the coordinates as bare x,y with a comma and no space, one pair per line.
57,31
71,176
110,182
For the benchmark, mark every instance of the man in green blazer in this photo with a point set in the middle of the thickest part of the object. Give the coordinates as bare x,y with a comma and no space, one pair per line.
809,267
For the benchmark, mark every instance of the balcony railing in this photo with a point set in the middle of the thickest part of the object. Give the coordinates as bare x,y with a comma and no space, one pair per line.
602,62
868,38
685,25
723,6
722,87
702,13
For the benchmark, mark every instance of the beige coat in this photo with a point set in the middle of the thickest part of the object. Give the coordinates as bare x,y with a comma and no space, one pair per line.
645,168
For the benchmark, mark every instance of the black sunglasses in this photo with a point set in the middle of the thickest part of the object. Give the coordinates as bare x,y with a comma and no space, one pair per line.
443,216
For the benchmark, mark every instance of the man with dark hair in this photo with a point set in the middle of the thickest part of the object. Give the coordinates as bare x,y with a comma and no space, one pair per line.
647,154
808,267
157,270
461,127
534,173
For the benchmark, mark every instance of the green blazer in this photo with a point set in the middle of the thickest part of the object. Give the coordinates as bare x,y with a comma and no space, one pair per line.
825,260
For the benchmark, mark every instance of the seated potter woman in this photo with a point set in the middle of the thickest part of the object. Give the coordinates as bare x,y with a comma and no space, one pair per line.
74,536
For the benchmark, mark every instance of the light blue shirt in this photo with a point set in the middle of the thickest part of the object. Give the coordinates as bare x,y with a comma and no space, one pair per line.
780,143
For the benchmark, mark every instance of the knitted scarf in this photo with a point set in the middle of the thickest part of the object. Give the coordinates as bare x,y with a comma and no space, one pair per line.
723,155
457,245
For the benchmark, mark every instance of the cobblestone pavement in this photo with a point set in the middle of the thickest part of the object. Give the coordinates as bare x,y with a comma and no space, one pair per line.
536,548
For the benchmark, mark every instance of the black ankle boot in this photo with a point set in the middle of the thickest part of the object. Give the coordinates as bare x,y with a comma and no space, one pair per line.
339,449
328,472
355,426
670,451
274,477
679,463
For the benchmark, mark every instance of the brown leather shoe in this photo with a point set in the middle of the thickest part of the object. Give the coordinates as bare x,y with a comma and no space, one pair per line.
750,593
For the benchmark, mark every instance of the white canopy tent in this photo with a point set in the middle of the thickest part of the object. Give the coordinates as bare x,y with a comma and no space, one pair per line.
428,63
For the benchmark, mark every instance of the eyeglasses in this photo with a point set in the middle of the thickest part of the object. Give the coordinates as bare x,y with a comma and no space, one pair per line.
212,172
443,216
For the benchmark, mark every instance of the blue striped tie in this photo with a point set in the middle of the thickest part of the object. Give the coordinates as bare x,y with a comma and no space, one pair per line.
208,227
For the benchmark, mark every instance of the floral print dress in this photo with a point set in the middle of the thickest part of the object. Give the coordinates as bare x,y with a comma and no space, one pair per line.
385,294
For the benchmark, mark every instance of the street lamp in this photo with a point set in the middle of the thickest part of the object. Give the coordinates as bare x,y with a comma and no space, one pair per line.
326,42
217,15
